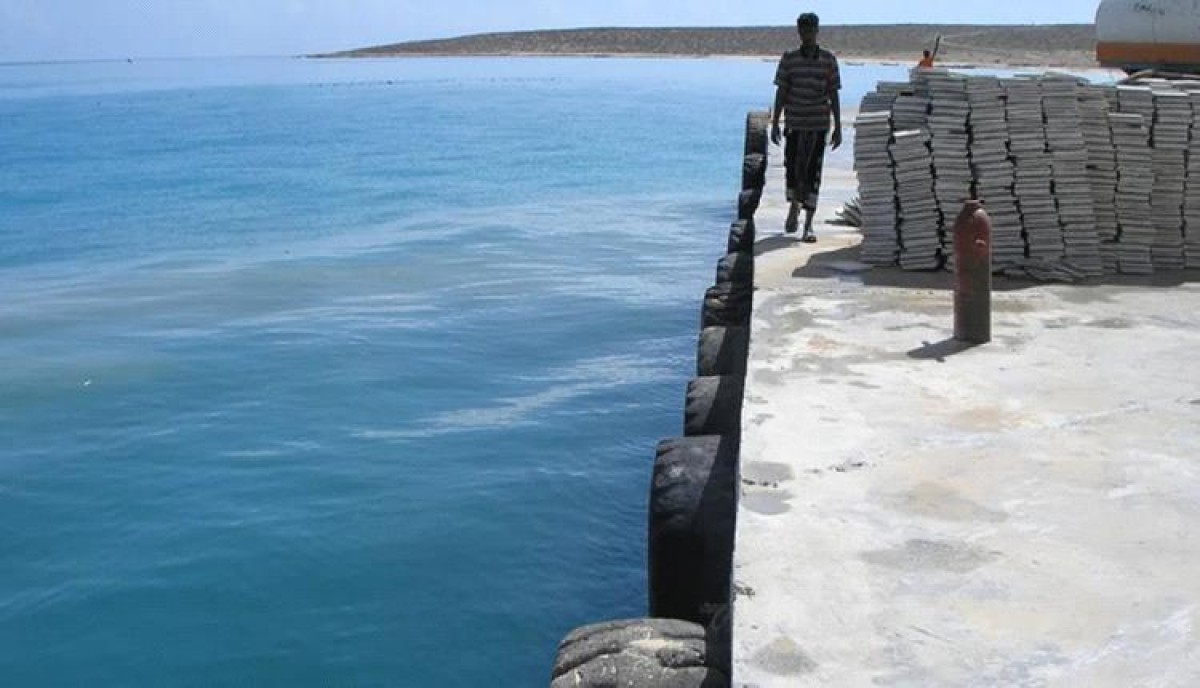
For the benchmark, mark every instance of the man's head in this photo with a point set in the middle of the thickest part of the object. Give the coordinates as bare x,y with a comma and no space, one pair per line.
925,53
807,25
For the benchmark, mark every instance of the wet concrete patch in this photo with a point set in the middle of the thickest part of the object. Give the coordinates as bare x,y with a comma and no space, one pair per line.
785,658
939,502
1061,323
797,320
1079,297
766,473
905,328
843,468
841,366
928,555
765,504
1013,306
1111,324
760,419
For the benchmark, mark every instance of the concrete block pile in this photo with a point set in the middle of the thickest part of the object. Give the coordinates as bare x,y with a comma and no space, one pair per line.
1135,181
877,186
1169,140
1071,187
1098,179
1101,170
993,168
1191,192
947,123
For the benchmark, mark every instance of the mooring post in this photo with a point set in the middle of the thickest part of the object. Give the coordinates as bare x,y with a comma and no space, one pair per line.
973,274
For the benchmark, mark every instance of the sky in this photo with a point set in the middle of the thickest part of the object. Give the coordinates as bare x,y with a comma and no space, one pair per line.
104,29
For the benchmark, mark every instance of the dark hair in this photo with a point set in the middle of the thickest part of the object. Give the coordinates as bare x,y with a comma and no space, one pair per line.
806,20
925,52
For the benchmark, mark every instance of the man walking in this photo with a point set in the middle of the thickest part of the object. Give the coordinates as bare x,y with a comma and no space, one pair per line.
807,83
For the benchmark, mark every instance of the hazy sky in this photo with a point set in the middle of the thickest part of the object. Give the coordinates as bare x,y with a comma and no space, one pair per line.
75,29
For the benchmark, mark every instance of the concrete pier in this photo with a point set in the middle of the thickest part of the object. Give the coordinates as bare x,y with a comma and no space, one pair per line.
914,512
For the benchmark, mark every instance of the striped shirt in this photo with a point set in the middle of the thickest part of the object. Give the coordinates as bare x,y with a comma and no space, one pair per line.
809,81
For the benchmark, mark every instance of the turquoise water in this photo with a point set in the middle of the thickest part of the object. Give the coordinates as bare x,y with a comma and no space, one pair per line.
321,373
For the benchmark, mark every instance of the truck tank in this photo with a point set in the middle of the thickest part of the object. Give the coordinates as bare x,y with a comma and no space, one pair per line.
1136,35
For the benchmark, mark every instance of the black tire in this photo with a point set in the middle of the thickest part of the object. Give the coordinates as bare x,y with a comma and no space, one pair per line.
757,124
714,406
648,653
693,503
748,201
754,171
726,305
738,269
722,351
741,237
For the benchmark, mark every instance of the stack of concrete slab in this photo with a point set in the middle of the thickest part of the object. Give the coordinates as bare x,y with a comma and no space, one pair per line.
912,165
1034,172
1101,169
1135,181
1101,179
876,101
992,169
1072,189
1191,195
884,96
893,89
910,111
1169,139
949,140
877,187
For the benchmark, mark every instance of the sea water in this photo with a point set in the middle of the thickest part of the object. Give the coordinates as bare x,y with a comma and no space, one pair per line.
333,373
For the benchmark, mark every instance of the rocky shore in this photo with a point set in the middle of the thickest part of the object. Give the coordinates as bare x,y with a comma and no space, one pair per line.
1061,45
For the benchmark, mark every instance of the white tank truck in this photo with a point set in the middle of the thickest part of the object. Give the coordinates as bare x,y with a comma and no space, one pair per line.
1158,35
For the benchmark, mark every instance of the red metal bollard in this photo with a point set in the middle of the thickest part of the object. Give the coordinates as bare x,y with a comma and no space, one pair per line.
973,275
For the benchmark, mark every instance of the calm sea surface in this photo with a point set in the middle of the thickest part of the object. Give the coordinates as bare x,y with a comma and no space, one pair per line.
332,373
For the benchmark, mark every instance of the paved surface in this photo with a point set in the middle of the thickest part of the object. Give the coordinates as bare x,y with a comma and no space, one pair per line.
913,513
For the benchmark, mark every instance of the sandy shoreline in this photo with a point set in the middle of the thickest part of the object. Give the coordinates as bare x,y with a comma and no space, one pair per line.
845,59
1066,46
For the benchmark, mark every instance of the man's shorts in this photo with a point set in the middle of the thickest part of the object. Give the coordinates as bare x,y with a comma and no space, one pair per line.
803,157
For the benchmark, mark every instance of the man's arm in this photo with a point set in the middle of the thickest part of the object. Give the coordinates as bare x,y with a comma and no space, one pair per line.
776,112
835,104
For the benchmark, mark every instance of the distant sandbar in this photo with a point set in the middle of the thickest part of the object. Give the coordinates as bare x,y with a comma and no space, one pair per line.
1055,45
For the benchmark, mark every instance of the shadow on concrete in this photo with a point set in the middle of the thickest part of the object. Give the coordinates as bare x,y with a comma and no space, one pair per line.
941,350
844,263
776,242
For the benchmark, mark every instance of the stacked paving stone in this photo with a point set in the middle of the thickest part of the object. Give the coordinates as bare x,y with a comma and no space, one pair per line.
1169,139
1099,179
1191,196
917,217
910,110
877,187
1072,189
993,169
1034,172
950,143
877,101
1136,234
1101,170
1135,181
